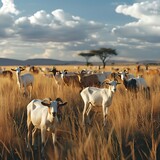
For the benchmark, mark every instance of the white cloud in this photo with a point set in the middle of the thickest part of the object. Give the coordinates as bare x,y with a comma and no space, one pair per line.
8,7
41,18
60,35
146,12
56,27
46,54
147,25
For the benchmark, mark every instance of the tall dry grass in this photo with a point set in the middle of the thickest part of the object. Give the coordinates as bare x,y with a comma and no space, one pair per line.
132,130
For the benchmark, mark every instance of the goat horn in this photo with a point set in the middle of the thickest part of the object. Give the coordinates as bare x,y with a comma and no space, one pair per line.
46,101
83,71
59,99
125,71
22,68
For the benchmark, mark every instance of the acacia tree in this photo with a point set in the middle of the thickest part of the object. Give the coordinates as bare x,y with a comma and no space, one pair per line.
87,56
104,54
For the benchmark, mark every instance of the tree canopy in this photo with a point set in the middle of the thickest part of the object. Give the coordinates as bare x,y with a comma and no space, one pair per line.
104,54
87,56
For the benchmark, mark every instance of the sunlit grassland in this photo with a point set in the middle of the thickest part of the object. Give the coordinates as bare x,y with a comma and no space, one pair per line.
132,131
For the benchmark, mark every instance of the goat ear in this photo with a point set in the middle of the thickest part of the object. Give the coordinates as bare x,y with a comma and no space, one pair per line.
13,69
63,104
22,69
65,70
59,100
45,104
118,83
125,71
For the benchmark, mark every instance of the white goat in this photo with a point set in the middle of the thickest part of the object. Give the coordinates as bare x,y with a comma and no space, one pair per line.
44,115
24,80
93,96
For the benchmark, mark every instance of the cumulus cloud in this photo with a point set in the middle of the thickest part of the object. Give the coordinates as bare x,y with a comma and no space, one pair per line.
61,35
8,6
146,26
57,27
6,19
46,54
6,26
65,32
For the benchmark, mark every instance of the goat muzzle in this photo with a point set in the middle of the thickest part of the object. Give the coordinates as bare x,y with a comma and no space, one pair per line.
54,114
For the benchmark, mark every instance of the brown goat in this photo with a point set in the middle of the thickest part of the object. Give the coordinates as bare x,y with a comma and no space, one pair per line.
88,80
6,73
71,80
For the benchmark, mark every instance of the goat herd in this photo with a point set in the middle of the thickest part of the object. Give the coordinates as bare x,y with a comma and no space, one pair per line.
96,89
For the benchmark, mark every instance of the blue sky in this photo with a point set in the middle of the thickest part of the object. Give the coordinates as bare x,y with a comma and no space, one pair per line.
60,29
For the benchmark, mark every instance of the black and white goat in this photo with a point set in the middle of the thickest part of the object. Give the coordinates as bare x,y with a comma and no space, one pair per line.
135,84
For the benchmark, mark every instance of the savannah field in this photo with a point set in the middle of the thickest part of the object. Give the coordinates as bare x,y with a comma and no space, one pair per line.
132,131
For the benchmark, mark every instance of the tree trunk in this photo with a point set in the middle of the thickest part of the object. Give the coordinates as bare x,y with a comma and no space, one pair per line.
104,64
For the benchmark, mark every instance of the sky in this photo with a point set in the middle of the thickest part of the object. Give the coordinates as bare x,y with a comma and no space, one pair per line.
60,29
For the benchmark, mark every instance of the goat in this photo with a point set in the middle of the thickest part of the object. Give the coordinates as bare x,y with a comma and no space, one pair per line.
135,84
130,84
102,76
45,69
93,96
24,80
48,75
57,77
87,80
33,69
7,73
44,115
64,78
70,79
94,79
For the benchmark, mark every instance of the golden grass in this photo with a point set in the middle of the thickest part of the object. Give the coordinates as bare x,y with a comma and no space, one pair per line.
132,130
